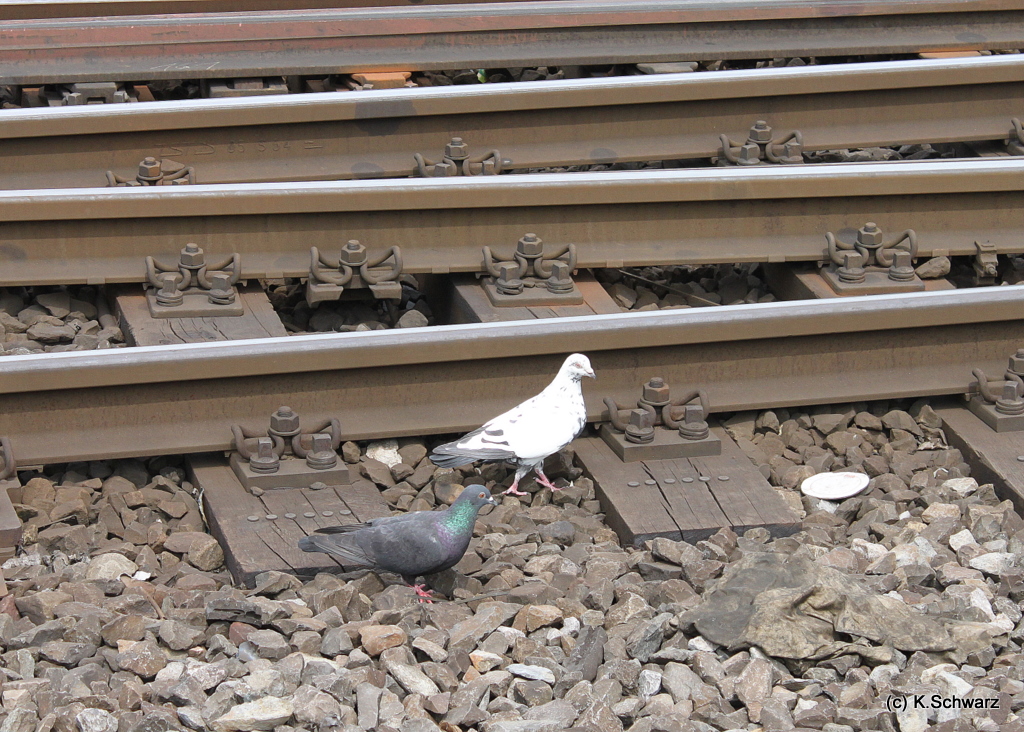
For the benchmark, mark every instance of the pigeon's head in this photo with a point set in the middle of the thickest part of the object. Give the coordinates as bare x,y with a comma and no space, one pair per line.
577,366
477,496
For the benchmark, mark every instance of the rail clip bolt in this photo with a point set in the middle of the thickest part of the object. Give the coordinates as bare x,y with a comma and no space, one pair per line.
760,133
852,270
149,171
284,422
264,460
694,426
456,149
353,254
508,283
1011,402
192,256
530,246
169,295
560,281
221,292
641,427
656,392
320,455
902,269
869,235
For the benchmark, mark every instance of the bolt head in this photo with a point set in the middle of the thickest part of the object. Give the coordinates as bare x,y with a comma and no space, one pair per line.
693,413
284,420
1017,362
641,418
508,271
656,391
150,168
192,255
749,154
869,234
530,245
353,253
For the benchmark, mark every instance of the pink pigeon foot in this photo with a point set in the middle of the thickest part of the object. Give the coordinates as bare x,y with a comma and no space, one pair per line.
513,490
421,593
543,480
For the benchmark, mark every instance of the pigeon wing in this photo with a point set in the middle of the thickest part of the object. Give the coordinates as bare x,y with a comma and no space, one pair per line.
408,544
540,427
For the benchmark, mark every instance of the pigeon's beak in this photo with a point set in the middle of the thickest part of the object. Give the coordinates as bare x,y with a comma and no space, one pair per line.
591,374
493,501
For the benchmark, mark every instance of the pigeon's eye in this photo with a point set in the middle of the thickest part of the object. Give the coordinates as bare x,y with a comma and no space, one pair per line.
481,495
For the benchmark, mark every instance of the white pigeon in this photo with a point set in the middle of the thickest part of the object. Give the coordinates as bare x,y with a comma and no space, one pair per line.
525,435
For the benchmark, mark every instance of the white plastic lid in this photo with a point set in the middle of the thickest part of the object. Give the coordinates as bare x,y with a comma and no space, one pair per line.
834,486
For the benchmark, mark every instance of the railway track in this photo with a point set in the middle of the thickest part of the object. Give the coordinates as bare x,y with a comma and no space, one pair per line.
331,41
142,486
516,127
276,185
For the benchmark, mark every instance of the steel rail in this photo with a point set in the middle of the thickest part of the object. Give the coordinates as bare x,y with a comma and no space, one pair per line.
774,214
38,9
375,134
179,399
493,35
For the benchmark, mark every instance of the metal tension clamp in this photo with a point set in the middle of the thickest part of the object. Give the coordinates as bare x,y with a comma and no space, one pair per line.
532,277
353,269
456,161
193,288
86,92
985,263
869,266
656,429
1015,142
760,148
10,465
286,456
154,172
1000,403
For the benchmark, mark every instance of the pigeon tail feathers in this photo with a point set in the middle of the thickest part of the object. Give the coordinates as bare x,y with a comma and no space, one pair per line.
348,554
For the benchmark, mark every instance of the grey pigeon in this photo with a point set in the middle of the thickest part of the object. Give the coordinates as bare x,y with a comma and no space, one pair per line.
409,544
527,434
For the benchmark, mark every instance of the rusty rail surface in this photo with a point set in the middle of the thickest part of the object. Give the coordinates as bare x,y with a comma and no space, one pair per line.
180,399
494,35
773,214
37,9
376,134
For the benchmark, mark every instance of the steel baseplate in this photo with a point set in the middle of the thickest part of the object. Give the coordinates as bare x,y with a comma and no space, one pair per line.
666,445
875,283
538,296
291,473
996,420
195,304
